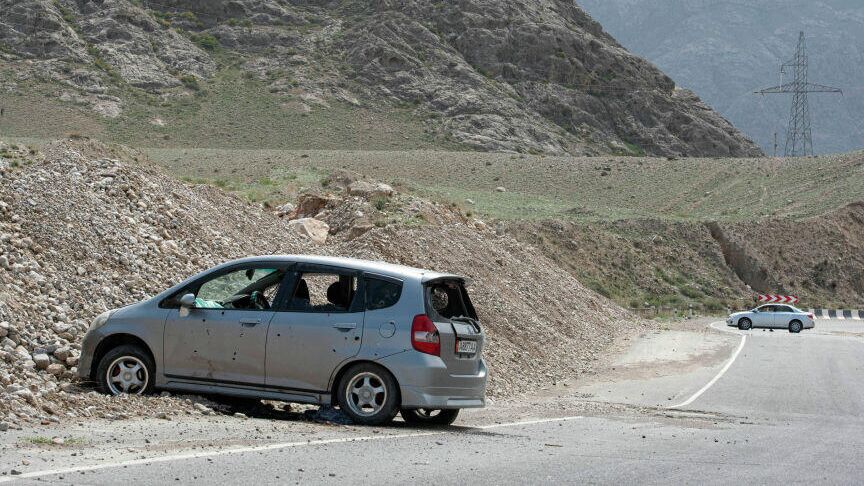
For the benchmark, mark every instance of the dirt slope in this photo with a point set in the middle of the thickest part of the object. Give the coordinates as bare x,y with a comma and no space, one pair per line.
87,229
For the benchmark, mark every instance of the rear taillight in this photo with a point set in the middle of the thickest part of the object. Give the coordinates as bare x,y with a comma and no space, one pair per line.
424,335
811,316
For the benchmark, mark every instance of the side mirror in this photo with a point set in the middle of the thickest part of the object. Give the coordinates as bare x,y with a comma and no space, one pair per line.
188,300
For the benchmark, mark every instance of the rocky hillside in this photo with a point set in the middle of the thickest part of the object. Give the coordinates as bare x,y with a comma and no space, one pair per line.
539,77
712,266
84,228
726,49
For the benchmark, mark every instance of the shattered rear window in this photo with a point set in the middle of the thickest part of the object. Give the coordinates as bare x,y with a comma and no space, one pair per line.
448,299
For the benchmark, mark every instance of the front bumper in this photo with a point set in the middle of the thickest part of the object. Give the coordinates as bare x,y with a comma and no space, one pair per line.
88,349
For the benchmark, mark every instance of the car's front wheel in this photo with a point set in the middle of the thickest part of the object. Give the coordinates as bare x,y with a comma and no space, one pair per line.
425,416
745,324
795,326
368,394
126,369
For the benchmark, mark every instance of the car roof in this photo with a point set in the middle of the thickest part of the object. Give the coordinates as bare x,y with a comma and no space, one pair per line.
370,266
784,305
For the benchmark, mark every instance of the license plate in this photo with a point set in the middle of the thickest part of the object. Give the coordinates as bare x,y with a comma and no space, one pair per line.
466,347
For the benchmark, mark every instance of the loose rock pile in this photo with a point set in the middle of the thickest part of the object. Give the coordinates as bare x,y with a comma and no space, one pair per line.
89,229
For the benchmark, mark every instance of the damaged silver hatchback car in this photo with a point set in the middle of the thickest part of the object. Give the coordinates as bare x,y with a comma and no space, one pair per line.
373,338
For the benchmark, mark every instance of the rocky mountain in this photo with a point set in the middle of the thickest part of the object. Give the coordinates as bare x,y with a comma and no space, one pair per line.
724,50
539,77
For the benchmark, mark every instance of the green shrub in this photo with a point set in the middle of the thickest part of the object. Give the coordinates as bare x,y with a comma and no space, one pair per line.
205,41
379,203
190,82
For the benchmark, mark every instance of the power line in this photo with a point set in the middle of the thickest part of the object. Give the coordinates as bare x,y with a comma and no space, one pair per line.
799,134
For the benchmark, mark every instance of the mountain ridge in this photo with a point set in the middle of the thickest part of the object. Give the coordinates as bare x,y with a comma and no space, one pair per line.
531,77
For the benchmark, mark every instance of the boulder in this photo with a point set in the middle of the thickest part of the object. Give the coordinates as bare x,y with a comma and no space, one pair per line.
359,228
368,190
41,360
314,229
341,179
311,204
56,369
62,353
285,209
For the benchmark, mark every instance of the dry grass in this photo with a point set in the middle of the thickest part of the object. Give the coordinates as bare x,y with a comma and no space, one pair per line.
590,189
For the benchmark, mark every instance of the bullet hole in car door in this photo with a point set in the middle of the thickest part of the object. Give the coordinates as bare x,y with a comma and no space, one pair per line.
224,336
320,327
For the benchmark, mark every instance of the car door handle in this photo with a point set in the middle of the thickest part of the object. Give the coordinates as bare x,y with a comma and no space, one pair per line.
250,322
345,326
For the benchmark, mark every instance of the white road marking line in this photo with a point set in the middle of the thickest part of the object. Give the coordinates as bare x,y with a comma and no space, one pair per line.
717,377
266,447
197,455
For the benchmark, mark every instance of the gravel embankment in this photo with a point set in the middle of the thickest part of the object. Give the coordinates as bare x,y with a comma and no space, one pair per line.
88,229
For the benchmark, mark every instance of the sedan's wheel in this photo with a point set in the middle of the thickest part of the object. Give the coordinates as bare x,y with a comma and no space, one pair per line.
126,369
426,416
368,394
745,324
795,326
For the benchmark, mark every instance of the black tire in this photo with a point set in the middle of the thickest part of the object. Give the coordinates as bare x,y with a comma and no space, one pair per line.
795,326
427,417
132,355
384,406
744,324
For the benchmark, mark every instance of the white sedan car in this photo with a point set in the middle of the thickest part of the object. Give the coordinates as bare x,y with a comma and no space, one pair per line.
776,316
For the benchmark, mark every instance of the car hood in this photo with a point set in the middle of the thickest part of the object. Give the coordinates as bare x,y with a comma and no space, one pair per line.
739,314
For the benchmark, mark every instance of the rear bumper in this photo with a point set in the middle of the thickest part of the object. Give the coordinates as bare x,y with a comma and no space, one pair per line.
438,398
425,382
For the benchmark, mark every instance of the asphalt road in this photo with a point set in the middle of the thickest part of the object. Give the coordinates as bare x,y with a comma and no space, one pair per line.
787,409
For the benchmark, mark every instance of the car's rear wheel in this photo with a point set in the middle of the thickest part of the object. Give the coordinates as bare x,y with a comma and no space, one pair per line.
368,394
126,369
426,416
795,326
745,324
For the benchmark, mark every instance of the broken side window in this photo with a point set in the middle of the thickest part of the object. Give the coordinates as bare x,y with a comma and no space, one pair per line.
323,292
381,294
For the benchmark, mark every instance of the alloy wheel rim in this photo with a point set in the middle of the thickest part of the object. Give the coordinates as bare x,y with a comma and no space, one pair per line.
127,375
366,394
428,413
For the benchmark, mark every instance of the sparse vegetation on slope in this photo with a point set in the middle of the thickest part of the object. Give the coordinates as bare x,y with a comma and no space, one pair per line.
570,188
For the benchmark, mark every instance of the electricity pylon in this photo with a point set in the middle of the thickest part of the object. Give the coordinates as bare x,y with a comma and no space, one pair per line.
799,136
